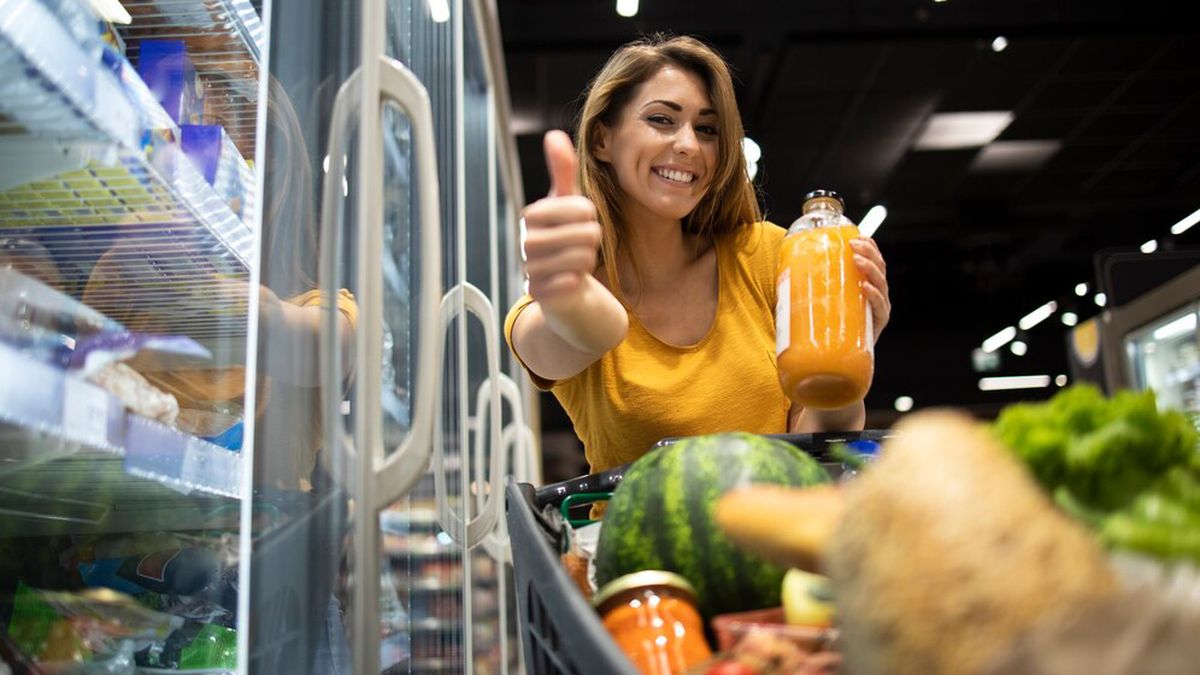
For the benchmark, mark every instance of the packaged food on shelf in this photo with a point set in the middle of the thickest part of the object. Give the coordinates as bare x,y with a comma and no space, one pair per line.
218,160
136,393
58,628
193,646
168,72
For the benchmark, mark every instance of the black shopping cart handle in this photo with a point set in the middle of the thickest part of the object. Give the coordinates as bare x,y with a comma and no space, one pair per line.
815,444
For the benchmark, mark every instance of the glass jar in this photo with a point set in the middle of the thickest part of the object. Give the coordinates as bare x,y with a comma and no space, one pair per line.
824,339
652,616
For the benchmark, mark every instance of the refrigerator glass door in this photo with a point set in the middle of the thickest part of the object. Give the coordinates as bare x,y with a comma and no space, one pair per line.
130,299
1165,356
307,472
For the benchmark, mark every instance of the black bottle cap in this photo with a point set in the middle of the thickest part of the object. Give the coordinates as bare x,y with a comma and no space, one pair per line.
828,194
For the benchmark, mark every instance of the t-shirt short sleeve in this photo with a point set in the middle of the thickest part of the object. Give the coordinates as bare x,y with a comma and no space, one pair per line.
510,321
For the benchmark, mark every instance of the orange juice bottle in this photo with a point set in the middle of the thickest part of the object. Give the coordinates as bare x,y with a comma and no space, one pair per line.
823,335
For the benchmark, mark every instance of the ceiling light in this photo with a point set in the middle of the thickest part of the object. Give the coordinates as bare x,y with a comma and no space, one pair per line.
1081,289
439,10
1150,246
870,223
999,339
1060,380
627,8
983,361
1018,348
999,43
956,130
904,403
752,152
111,11
1037,316
1070,318
1014,155
1184,324
1186,224
1014,382
1100,299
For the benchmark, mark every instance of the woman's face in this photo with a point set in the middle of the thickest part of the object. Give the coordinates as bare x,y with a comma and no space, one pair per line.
663,148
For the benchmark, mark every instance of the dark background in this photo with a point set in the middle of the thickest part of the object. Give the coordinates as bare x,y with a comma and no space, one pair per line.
837,92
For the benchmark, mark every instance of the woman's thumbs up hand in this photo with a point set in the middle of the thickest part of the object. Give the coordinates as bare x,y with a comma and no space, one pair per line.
562,234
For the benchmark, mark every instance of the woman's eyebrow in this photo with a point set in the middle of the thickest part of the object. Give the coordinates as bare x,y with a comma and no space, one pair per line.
676,107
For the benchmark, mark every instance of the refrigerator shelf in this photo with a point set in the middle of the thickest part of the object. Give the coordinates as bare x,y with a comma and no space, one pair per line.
117,179
73,459
224,41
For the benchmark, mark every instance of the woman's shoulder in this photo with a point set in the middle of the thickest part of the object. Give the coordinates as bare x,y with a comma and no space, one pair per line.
760,239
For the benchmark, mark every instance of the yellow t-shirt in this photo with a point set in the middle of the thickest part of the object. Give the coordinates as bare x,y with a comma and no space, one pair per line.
645,390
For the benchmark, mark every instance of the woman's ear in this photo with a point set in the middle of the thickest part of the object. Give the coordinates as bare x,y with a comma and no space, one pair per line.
602,147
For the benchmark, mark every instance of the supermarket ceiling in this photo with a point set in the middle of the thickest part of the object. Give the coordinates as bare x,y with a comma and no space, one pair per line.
1102,148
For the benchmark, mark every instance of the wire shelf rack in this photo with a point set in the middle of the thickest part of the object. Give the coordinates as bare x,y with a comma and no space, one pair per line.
107,190
224,40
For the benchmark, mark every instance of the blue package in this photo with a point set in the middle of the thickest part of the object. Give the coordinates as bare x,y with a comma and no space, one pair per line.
230,439
168,72
202,144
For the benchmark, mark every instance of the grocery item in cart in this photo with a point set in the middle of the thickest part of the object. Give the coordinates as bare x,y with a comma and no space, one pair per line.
824,338
661,517
652,617
945,552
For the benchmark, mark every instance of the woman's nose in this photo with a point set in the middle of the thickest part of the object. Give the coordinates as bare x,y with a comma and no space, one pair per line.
686,142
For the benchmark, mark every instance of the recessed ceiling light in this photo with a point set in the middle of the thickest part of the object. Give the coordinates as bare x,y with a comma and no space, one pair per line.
439,10
1081,289
1150,246
957,130
1037,316
999,339
1018,348
1070,318
1014,155
1014,382
999,43
1186,224
1100,299
627,8
870,223
1060,380
904,403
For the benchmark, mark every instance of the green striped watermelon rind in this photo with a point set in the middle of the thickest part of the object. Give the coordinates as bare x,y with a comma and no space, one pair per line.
679,484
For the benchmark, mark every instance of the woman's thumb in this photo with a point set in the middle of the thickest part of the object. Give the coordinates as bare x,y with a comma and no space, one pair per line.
561,163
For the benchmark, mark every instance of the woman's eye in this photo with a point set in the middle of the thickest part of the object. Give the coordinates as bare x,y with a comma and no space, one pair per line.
659,119
707,130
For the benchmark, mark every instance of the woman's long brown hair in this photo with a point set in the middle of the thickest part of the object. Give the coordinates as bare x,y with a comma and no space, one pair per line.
730,201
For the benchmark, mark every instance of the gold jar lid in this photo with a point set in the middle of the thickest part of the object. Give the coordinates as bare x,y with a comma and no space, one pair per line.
644,579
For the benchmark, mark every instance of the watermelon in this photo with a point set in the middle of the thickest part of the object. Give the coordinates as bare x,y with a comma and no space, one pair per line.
661,517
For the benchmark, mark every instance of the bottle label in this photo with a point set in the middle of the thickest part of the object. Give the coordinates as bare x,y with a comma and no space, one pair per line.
783,313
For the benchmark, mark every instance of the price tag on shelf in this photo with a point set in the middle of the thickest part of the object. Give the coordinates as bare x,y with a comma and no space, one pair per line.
85,411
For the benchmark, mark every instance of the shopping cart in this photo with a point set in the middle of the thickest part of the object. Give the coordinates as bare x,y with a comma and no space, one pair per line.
560,632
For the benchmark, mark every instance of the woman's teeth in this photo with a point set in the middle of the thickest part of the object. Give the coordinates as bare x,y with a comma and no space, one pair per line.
676,176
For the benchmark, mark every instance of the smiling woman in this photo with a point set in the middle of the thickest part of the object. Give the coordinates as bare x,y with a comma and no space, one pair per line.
651,274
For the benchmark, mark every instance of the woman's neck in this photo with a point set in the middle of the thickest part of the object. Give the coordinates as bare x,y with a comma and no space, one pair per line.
660,252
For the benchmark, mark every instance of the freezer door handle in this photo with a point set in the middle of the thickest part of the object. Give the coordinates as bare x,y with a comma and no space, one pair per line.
396,473
468,298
